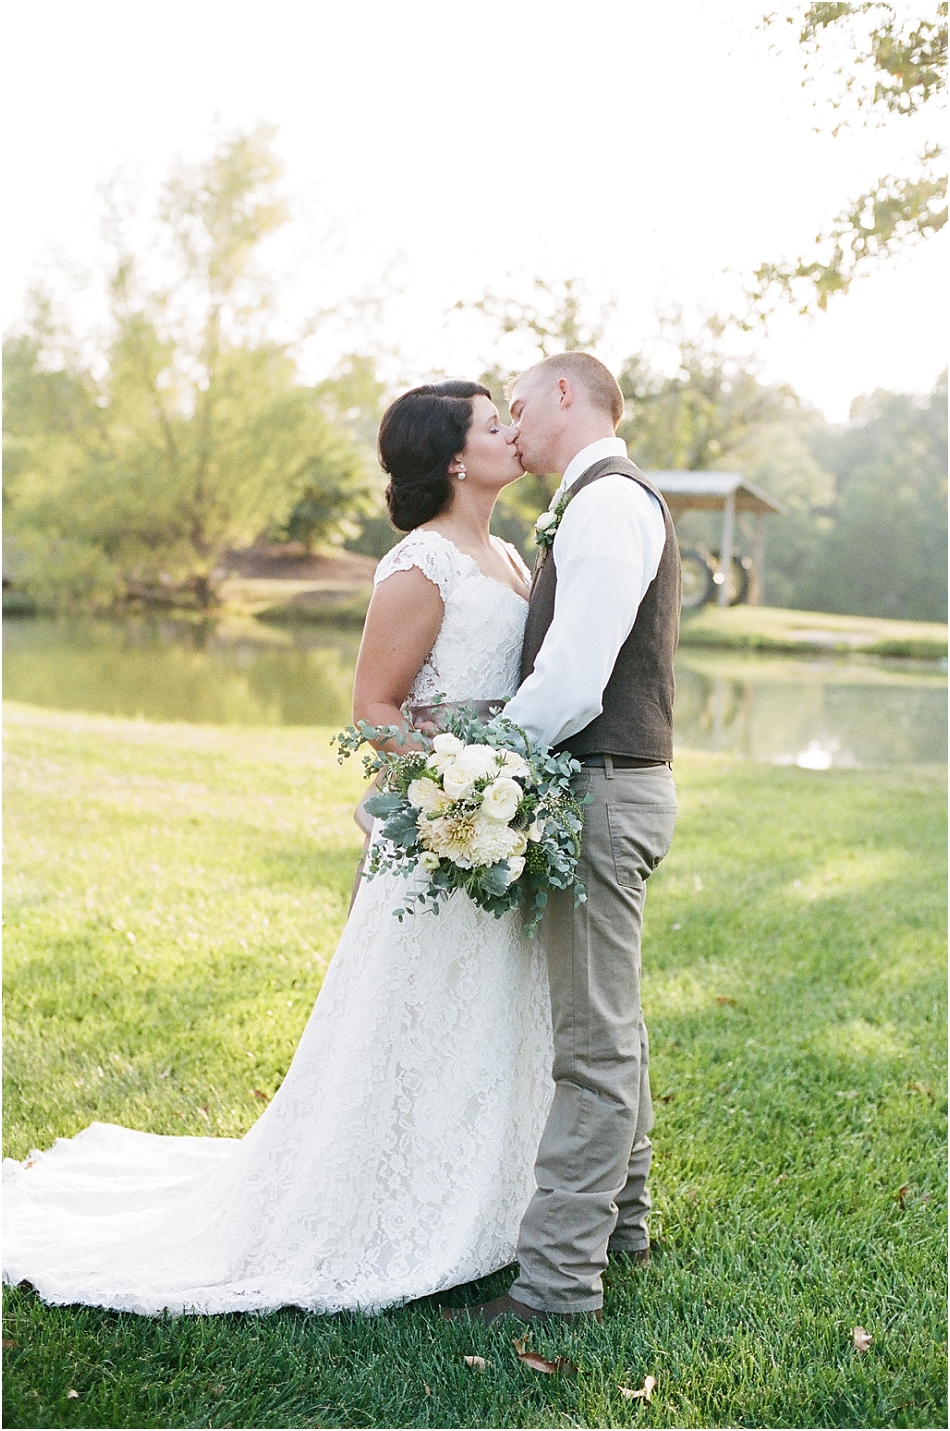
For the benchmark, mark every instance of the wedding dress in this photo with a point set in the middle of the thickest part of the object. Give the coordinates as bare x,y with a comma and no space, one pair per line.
396,1158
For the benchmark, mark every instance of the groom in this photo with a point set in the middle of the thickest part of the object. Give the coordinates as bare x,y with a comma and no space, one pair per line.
597,680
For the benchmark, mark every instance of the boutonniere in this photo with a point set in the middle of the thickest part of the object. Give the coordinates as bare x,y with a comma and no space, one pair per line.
545,528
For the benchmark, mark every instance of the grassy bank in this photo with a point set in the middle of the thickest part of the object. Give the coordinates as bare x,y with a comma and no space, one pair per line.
772,628
173,897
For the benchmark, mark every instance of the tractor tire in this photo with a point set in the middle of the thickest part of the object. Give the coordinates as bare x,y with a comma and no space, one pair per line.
740,569
698,581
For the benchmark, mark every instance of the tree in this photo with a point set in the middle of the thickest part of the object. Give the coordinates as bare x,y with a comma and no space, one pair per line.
895,66
197,435
352,400
884,550
559,316
695,417
556,319
714,412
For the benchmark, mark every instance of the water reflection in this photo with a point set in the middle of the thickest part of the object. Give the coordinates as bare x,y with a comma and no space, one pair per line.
817,714
224,673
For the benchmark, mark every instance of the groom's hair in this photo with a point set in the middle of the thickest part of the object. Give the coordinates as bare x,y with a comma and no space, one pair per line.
587,372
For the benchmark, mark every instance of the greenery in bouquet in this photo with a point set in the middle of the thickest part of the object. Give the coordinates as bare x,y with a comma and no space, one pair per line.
480,809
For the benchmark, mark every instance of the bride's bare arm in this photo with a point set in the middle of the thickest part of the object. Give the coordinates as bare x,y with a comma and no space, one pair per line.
402,623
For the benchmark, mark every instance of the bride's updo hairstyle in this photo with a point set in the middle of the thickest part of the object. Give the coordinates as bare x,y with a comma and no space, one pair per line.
420,434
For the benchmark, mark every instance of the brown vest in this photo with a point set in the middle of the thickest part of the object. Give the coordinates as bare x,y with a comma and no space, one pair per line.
637,718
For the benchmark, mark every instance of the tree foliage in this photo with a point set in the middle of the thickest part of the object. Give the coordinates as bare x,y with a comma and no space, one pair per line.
695,417
559,317
884,548
865,504
134,469
714,412
895,67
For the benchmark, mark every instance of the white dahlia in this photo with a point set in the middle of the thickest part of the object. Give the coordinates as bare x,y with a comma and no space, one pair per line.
452,837
493,841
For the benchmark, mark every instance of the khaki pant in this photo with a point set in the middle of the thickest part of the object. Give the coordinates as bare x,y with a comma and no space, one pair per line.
594,1157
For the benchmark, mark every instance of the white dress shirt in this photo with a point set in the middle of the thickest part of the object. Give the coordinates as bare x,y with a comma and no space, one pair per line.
607,550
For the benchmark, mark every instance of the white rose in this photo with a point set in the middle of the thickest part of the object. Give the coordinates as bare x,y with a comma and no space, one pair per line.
535,831
429,860
478,760
519,843
457,782
425,794
546,520
445,743
515,868
445,747
514,765
501,799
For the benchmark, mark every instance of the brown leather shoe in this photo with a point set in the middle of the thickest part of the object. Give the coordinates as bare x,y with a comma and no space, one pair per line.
510,1307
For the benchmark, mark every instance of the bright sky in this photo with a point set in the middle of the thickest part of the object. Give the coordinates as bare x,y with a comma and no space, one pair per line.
644,148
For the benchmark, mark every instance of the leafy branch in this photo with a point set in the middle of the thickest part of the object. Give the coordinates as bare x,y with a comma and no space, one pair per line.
893,66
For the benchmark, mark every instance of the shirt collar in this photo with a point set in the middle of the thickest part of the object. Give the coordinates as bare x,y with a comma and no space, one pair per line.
593,452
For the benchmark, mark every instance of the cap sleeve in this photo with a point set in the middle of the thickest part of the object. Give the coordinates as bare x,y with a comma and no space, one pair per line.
432,554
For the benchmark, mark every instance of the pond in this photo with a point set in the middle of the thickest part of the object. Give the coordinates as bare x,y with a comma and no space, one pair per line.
818,713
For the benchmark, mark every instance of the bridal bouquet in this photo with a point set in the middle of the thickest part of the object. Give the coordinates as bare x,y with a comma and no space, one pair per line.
482,811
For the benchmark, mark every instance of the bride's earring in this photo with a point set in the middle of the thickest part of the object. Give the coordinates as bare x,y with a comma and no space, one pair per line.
461,474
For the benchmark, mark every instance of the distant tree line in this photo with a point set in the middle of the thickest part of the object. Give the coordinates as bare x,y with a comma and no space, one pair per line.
133,467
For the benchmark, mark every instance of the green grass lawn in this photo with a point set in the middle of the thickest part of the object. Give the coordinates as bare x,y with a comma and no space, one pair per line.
173,896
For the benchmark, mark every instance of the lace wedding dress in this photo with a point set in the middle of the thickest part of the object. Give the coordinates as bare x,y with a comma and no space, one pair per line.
396,1158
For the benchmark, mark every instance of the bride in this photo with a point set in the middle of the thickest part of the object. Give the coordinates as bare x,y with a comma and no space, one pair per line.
396,1159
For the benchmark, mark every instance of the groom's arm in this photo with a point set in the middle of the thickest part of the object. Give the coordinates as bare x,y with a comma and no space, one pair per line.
607,550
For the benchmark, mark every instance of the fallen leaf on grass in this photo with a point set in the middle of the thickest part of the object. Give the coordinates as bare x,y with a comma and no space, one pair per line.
477,1362
862,1339
8,1343
427,1389
644,1394
560,1364
726,999
902,1192
72,1395
203,1110
259,1093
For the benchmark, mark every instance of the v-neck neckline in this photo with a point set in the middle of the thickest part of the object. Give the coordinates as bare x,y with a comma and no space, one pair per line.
468,557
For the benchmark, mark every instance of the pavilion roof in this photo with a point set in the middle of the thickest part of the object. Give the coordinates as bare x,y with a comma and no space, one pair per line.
709,490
